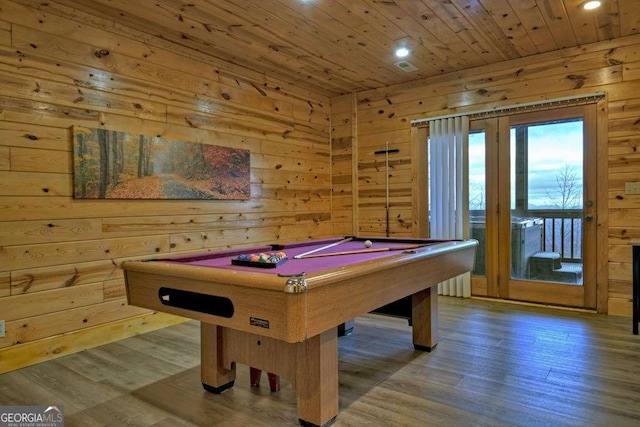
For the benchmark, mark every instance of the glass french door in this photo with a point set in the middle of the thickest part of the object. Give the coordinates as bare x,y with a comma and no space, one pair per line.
532,184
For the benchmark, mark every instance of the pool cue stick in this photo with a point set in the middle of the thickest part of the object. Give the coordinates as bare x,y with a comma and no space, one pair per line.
386,184
366,251
386,181
303,255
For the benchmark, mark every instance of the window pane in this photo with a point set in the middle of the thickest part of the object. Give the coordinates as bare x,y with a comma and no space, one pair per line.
546,201
477,172
555,165
477,197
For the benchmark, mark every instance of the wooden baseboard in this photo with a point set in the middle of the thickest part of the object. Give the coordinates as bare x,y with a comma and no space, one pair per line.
617,306
533,304
23,355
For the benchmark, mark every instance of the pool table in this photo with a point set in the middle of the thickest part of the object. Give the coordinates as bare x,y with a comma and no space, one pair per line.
283,319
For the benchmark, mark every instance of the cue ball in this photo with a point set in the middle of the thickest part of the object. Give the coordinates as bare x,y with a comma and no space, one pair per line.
367,243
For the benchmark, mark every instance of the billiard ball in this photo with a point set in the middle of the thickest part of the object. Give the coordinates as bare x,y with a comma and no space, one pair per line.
367,243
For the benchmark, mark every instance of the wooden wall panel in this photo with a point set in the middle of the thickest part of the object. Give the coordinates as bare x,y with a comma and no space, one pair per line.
35,184
63,276
34,232
51,254
30,135
384,115
38,303
34,208
60,322
5,33
60,256
5,158
5,284
61,94
38,160
343,165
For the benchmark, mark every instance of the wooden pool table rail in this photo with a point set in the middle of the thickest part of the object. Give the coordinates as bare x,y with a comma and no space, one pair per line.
273,282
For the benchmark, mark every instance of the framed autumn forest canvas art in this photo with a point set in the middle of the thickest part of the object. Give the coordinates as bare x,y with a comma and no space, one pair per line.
118,165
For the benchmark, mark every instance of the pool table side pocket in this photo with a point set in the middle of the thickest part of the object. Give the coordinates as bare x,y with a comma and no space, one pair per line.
254,310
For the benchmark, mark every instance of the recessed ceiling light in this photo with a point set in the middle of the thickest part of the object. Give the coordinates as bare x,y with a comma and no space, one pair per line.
592,4
402,52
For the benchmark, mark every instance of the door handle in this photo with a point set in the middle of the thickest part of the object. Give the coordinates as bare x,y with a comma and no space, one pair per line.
588,217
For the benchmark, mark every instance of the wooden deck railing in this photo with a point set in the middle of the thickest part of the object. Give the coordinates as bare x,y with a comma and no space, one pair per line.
562,232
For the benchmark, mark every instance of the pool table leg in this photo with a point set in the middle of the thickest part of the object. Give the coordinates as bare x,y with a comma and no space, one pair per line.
424,309
254,378
274,381
317,379
346,328
216,378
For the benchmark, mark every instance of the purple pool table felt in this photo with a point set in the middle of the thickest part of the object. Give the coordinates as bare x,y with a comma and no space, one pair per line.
296,266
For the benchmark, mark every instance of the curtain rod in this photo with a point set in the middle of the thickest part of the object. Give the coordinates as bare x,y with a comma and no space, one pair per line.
499,111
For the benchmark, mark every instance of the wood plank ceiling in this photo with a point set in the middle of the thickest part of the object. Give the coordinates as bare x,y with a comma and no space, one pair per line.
343,46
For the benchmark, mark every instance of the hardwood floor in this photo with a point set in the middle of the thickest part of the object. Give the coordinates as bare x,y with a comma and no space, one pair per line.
497,364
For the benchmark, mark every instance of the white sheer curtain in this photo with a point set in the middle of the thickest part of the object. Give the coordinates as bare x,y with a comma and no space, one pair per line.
448,178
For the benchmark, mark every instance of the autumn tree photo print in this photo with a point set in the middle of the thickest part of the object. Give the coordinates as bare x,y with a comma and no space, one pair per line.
118,165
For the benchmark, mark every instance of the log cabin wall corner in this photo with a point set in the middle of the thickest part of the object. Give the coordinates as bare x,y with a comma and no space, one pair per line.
61,289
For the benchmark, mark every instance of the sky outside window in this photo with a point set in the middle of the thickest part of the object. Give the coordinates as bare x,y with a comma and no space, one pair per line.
477,172
554,156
